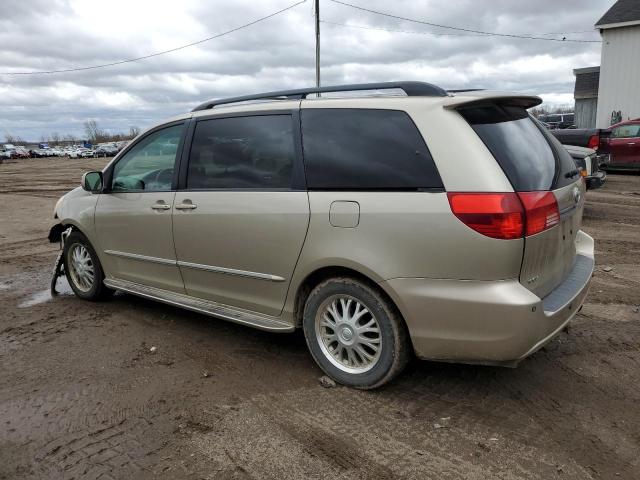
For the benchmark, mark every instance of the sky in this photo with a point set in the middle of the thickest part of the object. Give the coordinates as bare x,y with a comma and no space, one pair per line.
277,53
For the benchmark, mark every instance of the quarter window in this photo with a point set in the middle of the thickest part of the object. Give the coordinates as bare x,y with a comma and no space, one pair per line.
242,152
149,164
531,158
358,149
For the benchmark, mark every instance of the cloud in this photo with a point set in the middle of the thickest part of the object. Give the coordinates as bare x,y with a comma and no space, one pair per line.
275,54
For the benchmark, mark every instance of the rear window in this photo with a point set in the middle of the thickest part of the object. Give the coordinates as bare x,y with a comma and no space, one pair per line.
358,149
531,157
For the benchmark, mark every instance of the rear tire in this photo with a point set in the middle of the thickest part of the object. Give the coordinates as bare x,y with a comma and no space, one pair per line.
354,334
83,270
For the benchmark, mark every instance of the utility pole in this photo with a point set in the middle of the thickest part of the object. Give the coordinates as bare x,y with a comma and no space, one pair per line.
318,43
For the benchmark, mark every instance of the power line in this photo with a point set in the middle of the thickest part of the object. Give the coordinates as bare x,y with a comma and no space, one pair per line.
469,30
92,67
563,33
368,27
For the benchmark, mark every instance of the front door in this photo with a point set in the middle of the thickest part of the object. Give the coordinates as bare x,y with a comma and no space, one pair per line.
239,224
133,220
624,145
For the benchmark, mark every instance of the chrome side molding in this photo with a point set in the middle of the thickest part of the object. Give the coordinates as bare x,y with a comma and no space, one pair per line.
236,315
197,266
143,258
231,271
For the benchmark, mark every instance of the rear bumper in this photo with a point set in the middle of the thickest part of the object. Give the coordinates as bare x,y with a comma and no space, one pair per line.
489,322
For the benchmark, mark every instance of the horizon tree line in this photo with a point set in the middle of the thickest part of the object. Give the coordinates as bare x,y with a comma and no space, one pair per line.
93,134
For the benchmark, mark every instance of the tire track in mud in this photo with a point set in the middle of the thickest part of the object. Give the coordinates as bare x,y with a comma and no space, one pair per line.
612,289
394,434
606,452
75,431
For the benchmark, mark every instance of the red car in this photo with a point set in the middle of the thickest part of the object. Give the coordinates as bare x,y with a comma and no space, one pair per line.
623,145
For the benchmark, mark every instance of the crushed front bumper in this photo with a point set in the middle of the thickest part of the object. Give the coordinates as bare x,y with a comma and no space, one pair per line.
596,180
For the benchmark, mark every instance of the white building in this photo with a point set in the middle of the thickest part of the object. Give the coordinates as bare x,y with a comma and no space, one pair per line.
619,85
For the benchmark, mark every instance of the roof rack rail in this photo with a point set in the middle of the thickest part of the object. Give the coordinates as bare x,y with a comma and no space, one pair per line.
463,90
411,89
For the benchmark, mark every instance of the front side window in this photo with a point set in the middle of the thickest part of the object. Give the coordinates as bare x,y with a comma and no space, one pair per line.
360,149
149,164
626,131
252,152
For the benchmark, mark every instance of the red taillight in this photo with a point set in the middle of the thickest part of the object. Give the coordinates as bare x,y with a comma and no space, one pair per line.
594,141
496,215
506,215
541,210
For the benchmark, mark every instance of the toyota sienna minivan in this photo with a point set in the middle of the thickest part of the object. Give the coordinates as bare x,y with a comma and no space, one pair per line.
398,219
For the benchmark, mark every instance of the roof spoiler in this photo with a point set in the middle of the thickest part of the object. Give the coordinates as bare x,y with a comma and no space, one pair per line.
483,96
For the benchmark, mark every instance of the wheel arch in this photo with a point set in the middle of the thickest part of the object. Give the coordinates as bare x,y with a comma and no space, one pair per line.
320,274
55,232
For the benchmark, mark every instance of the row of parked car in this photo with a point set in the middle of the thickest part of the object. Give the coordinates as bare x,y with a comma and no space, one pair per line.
72,151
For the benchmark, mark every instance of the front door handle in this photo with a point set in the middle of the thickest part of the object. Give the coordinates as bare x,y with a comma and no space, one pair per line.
631,143
160,206
186,206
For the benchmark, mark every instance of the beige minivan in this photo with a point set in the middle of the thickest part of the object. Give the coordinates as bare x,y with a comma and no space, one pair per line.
385,220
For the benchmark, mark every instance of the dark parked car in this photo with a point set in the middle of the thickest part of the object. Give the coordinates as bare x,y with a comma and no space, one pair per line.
582,137
558,120
105,151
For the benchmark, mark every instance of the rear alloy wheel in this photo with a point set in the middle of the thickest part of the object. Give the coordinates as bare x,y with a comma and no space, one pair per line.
348,334
83,269
354,334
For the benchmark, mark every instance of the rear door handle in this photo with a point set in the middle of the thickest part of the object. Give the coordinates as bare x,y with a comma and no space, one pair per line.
160,206
186,206
631,143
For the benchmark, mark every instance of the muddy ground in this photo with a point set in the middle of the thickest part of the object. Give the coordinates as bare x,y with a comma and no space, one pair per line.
81,396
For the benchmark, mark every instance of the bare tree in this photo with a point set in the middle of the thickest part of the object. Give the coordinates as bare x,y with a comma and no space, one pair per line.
12,139
546,109
134,131
93,132
54,138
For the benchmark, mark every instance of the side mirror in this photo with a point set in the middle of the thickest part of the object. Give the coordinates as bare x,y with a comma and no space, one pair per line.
92,182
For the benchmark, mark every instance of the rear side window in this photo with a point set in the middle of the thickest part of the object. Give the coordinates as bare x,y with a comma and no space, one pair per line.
358,149
531,157
242,152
